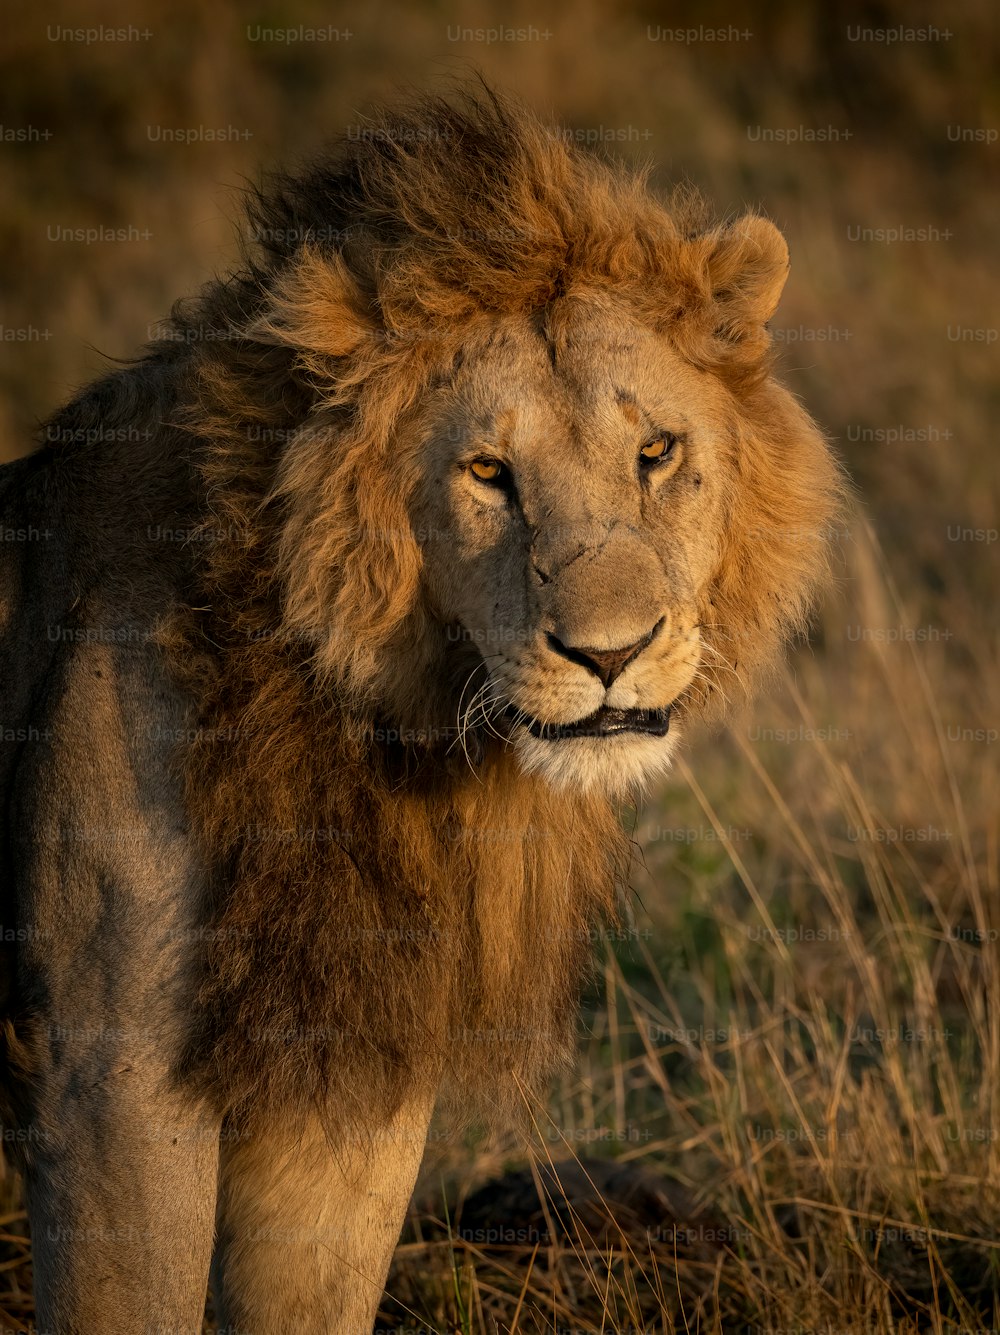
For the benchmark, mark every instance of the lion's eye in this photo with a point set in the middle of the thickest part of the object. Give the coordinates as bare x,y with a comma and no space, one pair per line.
489,470
658,450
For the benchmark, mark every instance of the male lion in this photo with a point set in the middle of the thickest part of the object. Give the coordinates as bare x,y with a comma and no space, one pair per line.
341,619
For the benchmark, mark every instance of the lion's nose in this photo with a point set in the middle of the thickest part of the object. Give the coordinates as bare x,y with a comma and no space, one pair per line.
606,664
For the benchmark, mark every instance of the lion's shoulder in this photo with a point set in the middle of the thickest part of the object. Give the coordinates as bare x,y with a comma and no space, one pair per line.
95,549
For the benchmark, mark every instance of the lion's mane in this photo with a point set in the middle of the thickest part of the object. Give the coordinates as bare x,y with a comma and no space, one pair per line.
384,899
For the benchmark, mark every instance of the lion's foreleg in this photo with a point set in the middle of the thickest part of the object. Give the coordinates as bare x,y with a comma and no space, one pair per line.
308,1222
121,1195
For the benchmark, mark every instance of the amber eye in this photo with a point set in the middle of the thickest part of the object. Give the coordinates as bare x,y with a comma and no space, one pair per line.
487,470
656,451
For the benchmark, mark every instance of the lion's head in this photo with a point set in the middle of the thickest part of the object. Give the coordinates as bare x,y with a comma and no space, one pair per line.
546,494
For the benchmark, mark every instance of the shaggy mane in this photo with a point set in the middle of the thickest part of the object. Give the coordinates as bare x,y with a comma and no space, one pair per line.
390,898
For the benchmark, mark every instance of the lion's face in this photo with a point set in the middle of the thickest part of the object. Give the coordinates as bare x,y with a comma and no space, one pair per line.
570,519
573,524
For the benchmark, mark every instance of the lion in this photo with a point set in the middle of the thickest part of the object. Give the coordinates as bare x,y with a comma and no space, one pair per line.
336,628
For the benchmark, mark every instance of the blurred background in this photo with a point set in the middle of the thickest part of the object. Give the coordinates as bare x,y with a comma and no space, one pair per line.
801,1029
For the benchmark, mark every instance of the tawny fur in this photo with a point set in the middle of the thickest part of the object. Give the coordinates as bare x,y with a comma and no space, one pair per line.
313,736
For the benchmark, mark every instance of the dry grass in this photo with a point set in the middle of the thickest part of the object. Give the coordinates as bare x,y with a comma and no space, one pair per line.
803,1027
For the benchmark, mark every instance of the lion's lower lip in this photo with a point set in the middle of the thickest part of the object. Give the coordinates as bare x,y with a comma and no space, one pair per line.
604,723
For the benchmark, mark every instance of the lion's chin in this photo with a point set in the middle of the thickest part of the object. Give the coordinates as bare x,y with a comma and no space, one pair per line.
619,764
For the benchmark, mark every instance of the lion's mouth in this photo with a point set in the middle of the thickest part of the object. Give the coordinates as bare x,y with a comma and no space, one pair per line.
605,722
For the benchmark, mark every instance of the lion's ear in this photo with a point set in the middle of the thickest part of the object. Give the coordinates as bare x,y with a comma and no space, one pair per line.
746,266
317,307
